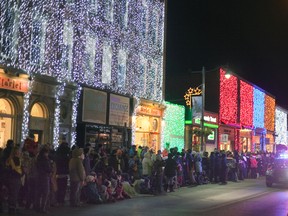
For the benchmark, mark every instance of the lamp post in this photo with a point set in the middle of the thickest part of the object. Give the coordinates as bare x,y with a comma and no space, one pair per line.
202,147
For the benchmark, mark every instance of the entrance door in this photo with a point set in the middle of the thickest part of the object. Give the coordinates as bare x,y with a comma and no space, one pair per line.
37,136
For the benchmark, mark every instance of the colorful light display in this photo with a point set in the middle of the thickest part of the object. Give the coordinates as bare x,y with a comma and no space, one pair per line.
173,133
281,126
269,116
228,99
246,104
258,112
109,45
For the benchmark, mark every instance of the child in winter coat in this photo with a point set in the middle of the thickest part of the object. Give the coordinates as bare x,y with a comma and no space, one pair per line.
91,190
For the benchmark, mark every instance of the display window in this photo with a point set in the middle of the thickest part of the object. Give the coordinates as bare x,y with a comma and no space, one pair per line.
6,121
147,132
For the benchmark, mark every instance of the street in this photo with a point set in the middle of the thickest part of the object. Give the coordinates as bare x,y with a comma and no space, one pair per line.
249,197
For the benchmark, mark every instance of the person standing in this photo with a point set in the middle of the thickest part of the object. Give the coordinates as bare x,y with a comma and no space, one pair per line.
62,158
170,172
158,174
44,171
147,165
77,176
14,184
223,168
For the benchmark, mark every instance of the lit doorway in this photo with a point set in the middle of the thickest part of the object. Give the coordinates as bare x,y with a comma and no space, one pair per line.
39,115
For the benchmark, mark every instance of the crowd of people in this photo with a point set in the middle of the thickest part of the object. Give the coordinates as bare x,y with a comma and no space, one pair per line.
37,178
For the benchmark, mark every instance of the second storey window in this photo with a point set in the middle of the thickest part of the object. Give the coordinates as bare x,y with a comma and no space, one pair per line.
89,60
106,63
38,40
121,76
108,10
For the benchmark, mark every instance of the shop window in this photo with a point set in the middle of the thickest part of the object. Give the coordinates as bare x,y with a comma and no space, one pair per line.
6,120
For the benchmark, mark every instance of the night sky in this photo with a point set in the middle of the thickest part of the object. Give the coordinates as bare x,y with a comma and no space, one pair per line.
251,36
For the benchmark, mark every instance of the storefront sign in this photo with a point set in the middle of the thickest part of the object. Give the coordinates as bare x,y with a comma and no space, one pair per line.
148,111
94,106
209,118
119,110
14,84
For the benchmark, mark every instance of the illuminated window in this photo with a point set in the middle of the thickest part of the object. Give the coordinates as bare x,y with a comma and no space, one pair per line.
38,111
6,120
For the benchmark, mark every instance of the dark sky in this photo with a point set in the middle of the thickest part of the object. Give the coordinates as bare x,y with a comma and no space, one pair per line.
251,36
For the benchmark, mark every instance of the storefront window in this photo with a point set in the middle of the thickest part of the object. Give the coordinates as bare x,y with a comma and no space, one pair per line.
6,112
147,132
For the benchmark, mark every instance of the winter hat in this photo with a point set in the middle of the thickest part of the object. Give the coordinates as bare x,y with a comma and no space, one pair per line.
90,178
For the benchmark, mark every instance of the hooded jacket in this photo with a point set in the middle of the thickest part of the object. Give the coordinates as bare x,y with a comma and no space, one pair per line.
76,168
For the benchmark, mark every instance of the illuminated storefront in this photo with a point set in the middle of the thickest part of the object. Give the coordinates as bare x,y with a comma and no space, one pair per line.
12,91
105,120
245,143
210,132
148,125
227,138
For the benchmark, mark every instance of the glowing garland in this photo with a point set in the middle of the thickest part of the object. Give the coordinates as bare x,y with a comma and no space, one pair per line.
75,104
173,132
281,126
258,112
269,118
137,100
59,92
246,104
33,39
228,99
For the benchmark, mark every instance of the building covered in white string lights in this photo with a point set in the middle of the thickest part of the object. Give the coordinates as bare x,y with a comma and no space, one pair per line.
84,71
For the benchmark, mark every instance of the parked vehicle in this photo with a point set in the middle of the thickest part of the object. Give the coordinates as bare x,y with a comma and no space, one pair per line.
277,171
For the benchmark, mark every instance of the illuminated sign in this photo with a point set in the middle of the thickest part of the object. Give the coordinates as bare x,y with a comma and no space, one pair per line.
148,111
208,117
119,110
14,84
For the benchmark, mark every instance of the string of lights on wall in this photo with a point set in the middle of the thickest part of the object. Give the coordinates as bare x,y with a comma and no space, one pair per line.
59,92
228,98
281,126
258,108
246,104
269,119
109,45
173,133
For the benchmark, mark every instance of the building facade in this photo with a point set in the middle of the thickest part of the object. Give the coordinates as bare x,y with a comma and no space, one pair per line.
247,115
86,65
